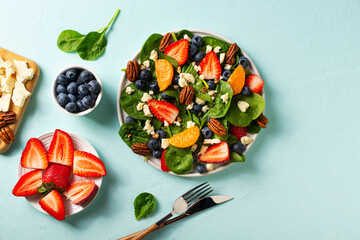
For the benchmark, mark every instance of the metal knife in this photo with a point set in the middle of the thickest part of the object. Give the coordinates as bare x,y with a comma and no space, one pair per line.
198,206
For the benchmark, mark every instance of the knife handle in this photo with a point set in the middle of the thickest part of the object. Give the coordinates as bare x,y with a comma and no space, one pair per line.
146,232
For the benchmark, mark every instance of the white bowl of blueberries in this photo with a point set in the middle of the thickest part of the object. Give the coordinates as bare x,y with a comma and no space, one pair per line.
77,90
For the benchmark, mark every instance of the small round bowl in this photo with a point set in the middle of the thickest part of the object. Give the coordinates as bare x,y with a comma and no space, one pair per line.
78,68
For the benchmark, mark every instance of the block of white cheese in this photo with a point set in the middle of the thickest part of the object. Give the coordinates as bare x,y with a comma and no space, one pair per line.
7,84
23,73
2,69
5,102
9,67
20,94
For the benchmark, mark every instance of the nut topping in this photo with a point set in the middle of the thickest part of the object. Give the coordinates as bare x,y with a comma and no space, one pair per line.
2,122
8,117
187,95
132,70
262,121
141,149
230,55
165,41
137,69
7,135
216,127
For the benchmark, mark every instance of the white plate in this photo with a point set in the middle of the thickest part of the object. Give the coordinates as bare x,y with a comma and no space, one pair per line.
156,162
80,144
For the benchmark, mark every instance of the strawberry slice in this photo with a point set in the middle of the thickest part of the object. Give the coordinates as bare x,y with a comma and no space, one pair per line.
28,184
88,165
216,153
210,66
164,167
255,83
34,155
58,174
238,132
53,204
164,111
178,50
61,149
80,191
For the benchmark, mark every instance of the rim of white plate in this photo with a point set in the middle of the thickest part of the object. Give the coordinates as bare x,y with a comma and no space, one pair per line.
80,144
156,162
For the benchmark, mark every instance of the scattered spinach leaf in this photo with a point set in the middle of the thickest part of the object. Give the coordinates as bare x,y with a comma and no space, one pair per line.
214,42
144,204
69,40
129,102
220,108
157,123
179,160
253,128
235,157
172,92
171,60
199,84
231,139
181,33
132,133
150,44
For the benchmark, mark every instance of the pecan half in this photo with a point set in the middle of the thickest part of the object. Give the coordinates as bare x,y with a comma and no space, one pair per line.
216,127
230,55
9,117
165,41
262,121
2,122
130,71
136,69
187,95
141,149
7,135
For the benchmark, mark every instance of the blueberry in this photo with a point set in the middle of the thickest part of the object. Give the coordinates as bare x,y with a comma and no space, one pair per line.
83,90
246,91
72,97
140,84
201,168
197,40
199,56
206,132
154,144
157,153
79,82
94,86
130,119
154,86
212,84
175,81
243,61
60,89
61,79
197,107
197,113
226,74
88,102
85,76
71,107
195,158
80,106
94,96
62,99
71,74
162,134
238,148
165,97
72,88
193,50
145,75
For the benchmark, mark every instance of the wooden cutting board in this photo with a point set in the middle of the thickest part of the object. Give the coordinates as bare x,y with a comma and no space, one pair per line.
30,86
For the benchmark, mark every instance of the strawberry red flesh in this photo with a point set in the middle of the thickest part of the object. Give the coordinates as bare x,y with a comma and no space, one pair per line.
178,50
210,66
58,174
80,191
34,155
53,204
61,149
164,111
28,184
88,165
164,167
238,132
255,83
216,153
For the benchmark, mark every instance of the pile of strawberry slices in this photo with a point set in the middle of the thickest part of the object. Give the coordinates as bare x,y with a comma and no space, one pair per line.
52,171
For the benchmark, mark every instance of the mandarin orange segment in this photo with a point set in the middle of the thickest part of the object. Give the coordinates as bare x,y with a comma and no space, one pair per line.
237,79
164,72
186,138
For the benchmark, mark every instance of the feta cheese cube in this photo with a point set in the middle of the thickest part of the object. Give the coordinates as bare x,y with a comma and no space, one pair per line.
177,123
146,63
148,128
182,82
209,167
187,37
151,92
5,102
205,108
194,147
199,101
202,77
153,55
7,84
140,106
212,141
147,111
217,49
189,77
197,68
203,149
245,140
129,90
166,124
23,73
225,98
222,57
190,106
20,94
227,66
146,97
8,67
165,143
212,94
208,48
190,124
243,106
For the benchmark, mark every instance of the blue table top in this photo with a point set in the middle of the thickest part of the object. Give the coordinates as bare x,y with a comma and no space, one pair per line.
300,179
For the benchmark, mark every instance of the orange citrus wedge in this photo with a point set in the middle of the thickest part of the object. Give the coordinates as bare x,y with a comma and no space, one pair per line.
186,138
237,79
164,72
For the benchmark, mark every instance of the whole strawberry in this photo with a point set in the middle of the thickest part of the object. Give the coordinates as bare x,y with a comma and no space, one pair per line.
57,174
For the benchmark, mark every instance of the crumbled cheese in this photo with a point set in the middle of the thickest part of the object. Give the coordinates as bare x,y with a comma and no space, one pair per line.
243,106
182,82
203,149
199,101
146,63
23,73
148,128
202,77
190,124
190,106
222,57
166,124
212,94
20,94
7,84
209,167
217,49
146,97
5,102
153,55
194,147
225,98
151,92
208,48
197,68
227,66
8,67
187,37
165,143
205,108
185,78
245,140
193,63
212,141
129,90
178,69
177,123
147,111
140,106
221,78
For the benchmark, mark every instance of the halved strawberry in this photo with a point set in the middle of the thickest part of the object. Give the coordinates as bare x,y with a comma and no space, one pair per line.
178,50
216,153
53,204
210,66
80,191
58,174
34,155
238,132
164,111
88,165
164,167
61,149
255,83
28,184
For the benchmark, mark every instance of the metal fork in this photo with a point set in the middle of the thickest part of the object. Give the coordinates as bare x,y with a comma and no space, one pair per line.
180,206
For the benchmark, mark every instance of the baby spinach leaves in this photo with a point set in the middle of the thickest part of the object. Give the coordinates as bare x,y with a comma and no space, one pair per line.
88,47
132,133
179,160
129,102
199,85
235,157
220,108
181,34
253,128
214,42
144,204
150,44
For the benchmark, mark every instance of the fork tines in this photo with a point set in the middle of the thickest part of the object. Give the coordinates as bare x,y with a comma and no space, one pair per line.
197,192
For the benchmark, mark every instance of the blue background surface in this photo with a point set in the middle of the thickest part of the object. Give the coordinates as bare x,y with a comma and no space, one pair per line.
301,177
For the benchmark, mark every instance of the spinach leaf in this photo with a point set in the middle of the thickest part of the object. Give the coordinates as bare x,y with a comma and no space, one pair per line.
243,119
144,204
132,133
172,92
231,139
92,46
180,34
150,44
171,60
179,160
253,128
198,85
235,157
157,123
69,40
214,42
129,102
220,108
